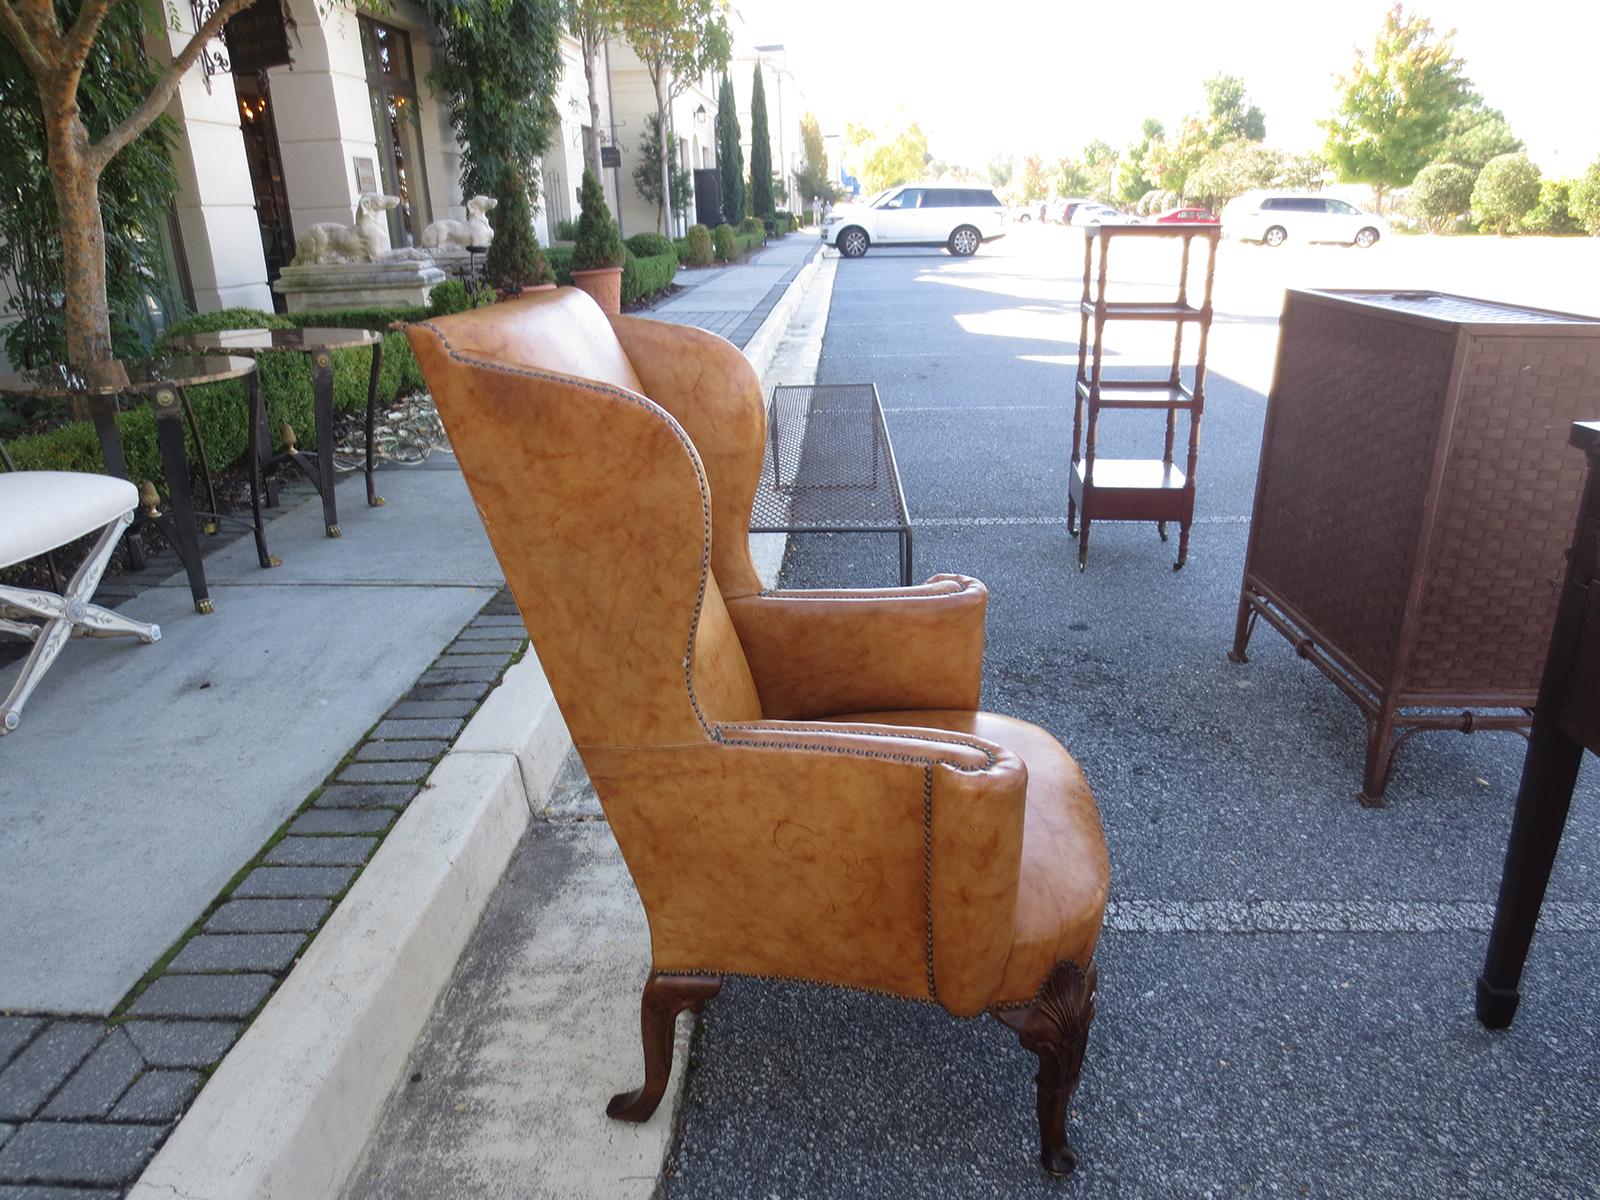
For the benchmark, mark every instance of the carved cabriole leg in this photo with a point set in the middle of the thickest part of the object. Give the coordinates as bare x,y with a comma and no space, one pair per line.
1056,1028
665,996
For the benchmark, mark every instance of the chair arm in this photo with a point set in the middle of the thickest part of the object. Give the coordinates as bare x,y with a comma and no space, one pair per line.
825,653
877,857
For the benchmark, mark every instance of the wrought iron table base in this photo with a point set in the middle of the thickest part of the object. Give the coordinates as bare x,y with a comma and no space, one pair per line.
318,464
180,527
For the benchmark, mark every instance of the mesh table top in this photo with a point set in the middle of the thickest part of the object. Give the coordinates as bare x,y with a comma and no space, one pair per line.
828,465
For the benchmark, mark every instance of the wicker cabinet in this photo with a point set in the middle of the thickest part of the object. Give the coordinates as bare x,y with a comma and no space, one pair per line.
1414,501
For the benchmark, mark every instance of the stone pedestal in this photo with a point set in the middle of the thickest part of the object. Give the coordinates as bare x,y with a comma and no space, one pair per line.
358,285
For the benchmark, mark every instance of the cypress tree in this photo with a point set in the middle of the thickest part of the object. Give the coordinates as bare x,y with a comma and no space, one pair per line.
730,155
761,202
515,260
598,244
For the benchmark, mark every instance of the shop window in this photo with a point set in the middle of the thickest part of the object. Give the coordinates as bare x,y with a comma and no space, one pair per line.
392,81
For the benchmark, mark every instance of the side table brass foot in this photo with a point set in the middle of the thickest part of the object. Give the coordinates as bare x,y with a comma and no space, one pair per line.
334,531
376,502
274,561
204,607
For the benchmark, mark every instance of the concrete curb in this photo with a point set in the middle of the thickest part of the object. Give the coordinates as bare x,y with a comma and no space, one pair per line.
289,1111
764,344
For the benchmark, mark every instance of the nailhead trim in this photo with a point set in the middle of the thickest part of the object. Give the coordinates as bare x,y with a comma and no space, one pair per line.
650,406
821,983
918,759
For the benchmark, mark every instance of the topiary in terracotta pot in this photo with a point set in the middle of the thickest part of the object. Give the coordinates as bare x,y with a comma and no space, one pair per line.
597,254
515,263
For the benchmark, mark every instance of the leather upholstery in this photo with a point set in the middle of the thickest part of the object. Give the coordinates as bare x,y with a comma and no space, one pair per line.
799,782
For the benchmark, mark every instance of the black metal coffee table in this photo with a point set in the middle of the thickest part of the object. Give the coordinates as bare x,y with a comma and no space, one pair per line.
829,467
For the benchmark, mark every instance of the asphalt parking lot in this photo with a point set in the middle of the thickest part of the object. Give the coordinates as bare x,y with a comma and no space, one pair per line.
1286,977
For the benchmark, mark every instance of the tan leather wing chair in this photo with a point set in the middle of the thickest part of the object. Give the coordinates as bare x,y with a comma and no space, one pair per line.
800,781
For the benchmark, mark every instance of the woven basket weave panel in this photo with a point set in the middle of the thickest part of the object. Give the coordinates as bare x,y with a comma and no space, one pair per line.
1510,496
1354,417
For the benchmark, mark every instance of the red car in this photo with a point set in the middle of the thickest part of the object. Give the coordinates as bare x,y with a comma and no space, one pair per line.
1185,216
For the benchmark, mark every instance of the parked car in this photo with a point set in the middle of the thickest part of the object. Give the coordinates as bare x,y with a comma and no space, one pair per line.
1185,216
918,214
1091,213
1274,218
1021,213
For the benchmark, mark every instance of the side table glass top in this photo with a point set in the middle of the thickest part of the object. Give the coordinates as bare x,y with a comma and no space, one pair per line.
125,377
260,341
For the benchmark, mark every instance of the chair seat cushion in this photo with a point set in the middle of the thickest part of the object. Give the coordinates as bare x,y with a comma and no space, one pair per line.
40,510
1065,872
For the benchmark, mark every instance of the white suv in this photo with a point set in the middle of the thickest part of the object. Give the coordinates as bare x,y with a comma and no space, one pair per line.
1276,218
917,214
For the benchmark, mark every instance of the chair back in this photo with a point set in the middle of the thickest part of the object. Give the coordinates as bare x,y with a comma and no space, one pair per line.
600,511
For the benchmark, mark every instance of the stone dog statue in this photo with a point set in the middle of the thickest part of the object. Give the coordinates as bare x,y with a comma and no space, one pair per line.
365,242
456,236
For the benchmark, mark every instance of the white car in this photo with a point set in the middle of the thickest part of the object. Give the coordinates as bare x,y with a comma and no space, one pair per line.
917,214
1274,218
1101,214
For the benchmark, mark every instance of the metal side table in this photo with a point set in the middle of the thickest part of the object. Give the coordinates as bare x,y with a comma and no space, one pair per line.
318,345
164,381
829,467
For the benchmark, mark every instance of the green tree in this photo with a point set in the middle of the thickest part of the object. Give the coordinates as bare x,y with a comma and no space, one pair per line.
1583,199
813,178
1395,104
514,260
1230,170
1032,186
54,41
893,160
497,67
1507,191
730,155
1475,134
647,180
1069,177
1001,169
761,202
1169,159
677,41
593,22
1231,115
136,192
1132,182
1441,194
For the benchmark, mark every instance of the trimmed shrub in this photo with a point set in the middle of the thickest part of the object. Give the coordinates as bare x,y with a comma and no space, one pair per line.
453,296
220,409
749,241
752,225
599,244
784,219
1553,213
643,277
700,246
566,231
514,260
680,247
726,244
650,245
1506,192
560,258
1583,199
1441,194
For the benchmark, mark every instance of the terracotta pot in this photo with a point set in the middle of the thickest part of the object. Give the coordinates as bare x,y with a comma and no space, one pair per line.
604,284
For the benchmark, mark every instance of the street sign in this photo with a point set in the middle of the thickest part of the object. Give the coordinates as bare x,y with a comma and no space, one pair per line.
610,156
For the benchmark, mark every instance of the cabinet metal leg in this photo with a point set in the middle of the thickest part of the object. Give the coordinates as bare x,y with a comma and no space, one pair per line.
322,385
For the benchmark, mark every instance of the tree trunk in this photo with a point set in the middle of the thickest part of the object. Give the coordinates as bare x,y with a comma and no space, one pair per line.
591,152
76,185
661,135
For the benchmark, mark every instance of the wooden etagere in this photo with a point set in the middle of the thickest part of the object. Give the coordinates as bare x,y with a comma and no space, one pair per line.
1137,489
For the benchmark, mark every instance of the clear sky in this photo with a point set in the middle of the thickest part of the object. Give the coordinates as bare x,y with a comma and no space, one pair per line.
1011,76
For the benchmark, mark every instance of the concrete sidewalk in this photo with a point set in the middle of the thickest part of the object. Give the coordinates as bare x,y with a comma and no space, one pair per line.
734,301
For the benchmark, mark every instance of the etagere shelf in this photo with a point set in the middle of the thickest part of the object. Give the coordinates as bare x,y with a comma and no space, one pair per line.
1137,489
